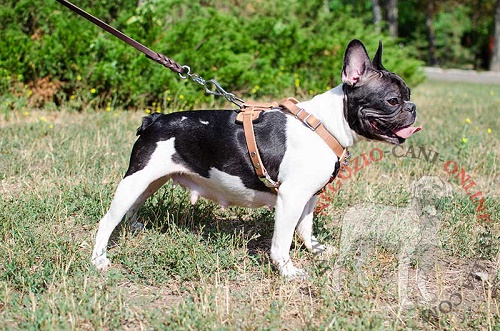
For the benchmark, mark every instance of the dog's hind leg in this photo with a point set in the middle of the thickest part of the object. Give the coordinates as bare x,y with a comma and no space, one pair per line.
127,194
131,193
132,213
142,179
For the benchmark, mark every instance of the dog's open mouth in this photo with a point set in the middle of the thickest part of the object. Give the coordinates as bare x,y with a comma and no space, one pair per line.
399,135
407,132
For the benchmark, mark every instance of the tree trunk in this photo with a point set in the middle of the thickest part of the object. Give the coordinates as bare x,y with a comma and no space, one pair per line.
392,17
377,14
431,34
326,6
495,58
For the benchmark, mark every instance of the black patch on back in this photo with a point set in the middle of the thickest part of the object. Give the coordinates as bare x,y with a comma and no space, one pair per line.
146,122
219,144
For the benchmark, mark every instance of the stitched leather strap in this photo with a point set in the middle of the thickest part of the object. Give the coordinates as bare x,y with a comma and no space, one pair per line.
249,113
313,123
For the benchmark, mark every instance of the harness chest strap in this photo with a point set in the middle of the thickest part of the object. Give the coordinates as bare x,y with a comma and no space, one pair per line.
251,112
313,123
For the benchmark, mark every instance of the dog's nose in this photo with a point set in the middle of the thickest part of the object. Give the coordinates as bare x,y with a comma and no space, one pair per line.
410,106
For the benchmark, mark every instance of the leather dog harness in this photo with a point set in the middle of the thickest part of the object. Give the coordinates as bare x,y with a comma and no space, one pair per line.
249,112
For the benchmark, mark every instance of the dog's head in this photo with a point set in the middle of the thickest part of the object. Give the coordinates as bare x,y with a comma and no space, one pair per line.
427,186
378,101
431,191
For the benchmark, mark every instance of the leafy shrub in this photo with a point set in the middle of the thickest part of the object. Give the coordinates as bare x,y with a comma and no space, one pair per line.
286,48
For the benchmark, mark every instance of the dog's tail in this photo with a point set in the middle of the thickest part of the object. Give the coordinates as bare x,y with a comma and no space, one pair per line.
146,122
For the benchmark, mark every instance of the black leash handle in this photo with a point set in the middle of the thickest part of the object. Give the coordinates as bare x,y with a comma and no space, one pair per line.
158,57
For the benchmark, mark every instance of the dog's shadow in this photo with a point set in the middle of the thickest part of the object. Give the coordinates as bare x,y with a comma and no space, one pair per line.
171,207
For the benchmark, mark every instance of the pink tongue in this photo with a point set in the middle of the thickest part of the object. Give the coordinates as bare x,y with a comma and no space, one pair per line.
407,132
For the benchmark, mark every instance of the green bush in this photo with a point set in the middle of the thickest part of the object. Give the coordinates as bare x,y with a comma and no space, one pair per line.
50,55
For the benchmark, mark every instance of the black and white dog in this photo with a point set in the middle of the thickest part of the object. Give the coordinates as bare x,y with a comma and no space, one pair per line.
206,152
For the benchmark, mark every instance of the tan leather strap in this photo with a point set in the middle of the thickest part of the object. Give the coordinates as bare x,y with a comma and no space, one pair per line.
313,123
250,112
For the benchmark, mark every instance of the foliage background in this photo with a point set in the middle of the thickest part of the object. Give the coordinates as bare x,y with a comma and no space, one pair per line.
50,56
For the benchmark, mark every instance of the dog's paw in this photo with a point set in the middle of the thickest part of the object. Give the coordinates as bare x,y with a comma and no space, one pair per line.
136,227
325,251
318,248
406,304
101,262
290,272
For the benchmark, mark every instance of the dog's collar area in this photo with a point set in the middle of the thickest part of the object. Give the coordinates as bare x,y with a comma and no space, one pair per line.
250,112
313,123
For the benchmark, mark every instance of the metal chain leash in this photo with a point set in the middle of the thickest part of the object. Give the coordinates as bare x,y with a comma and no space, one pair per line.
211,86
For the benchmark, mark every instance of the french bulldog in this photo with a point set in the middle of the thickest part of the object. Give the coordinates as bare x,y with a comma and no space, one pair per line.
205,151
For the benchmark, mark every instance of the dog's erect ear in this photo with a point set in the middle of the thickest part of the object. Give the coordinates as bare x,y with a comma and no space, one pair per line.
356,62
377,60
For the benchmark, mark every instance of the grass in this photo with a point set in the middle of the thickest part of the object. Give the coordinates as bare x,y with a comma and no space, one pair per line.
201,267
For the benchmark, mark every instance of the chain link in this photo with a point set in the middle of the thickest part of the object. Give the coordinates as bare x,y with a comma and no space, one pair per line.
211,86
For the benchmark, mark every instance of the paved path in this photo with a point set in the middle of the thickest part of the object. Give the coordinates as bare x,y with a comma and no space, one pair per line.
456,75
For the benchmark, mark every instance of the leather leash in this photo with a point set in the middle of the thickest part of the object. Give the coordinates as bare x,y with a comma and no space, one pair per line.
211,86
158,57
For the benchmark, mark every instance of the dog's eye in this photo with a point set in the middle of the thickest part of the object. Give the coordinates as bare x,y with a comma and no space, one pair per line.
393,101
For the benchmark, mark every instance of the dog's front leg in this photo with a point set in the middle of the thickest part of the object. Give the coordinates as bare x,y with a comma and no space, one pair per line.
304,230
289,207
403,268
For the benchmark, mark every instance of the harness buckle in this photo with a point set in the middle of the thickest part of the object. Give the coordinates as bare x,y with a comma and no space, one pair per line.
309,125
297,114
269,182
